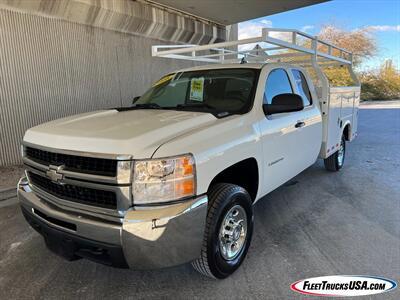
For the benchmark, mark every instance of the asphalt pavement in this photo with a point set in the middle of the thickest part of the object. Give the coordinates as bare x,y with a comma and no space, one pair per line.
320,223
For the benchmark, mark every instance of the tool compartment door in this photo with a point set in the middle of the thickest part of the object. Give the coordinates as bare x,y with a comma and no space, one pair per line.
354,126
349,113
341,109
348,95
333,130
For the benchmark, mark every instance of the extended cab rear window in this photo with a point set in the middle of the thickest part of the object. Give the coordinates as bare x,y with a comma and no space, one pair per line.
302,86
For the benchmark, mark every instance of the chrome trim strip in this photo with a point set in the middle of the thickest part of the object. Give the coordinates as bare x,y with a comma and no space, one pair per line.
66,209
84,176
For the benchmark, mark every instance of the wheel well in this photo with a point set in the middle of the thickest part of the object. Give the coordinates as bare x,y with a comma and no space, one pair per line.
346,132
243,173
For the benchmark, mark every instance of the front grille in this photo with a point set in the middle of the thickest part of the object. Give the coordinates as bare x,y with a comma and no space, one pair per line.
90,165
74,193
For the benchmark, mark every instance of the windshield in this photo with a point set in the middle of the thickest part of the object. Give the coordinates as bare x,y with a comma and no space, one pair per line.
216,91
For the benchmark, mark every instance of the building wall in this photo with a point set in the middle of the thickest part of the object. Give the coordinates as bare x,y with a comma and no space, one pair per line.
51,68
139,17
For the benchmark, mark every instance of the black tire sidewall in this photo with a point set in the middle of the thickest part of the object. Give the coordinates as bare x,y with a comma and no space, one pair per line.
220,267
338,166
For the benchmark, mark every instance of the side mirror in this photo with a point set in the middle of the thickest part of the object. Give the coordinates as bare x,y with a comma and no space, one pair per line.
284,103
135,99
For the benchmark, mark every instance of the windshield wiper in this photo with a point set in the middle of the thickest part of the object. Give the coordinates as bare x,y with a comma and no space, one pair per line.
213,109
200,104
215,112
147,105
141,106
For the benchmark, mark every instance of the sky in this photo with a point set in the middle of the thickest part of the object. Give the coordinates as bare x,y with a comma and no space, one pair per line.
382,17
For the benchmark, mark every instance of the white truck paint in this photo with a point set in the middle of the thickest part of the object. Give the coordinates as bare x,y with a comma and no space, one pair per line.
282,145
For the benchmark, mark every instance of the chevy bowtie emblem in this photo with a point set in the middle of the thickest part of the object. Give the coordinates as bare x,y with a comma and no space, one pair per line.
54,173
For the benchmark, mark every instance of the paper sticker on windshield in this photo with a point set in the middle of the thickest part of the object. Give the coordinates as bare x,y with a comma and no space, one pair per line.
164,79
197,89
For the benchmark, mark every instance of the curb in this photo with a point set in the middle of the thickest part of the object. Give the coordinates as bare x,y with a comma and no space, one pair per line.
7,194
5,190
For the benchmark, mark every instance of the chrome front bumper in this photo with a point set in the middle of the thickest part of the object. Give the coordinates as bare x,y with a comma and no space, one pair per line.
149,238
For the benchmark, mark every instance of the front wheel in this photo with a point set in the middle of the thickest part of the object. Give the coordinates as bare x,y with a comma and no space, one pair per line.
228,231
336,160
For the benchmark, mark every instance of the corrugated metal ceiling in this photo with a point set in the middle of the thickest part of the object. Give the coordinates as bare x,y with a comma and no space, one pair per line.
227,12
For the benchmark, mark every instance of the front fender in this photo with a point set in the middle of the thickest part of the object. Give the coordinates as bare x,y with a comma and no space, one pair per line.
217,147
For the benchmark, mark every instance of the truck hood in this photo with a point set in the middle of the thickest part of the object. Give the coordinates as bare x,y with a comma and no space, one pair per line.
136,132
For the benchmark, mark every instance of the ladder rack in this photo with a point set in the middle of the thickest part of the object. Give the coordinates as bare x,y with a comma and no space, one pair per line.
298,45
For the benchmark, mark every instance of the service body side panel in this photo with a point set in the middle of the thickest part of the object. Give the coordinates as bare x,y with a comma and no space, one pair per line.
354,126
342,111
331,125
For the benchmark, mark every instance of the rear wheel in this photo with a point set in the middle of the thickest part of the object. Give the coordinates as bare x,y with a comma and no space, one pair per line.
336,160
228,231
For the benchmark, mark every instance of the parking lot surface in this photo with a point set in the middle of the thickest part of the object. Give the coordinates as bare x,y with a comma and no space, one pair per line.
319,223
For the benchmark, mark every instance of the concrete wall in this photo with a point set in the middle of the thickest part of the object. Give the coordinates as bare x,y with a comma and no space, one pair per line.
51,68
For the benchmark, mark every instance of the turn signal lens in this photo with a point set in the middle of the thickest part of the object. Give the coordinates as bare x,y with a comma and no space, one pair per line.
185,187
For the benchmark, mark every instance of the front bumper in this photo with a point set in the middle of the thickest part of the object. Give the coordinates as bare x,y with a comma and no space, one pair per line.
147,238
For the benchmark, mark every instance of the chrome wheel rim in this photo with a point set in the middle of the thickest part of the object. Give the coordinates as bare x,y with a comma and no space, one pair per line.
233,232
341,153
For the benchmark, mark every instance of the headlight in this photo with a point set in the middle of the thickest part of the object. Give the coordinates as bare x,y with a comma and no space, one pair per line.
163,180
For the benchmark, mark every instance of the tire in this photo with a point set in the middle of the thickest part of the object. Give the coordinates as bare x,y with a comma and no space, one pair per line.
225,200
336,160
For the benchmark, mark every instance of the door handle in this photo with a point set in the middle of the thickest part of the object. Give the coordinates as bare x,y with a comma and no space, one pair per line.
299,124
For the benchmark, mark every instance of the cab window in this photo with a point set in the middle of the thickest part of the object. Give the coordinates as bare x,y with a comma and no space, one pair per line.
277,83
302,87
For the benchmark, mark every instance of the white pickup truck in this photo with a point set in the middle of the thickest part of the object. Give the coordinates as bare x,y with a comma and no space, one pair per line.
173,179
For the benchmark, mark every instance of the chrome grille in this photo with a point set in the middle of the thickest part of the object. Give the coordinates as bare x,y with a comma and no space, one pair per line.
73,163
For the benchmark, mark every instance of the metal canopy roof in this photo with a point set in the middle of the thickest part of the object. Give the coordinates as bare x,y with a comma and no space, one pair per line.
228,12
